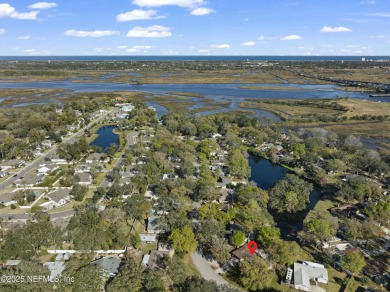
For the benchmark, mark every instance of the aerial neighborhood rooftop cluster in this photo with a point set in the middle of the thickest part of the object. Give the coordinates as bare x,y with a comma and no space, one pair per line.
180,189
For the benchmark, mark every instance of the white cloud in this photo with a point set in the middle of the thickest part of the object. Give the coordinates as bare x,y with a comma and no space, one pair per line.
292,37
94,34
142,47
381,14
138,14
25,37
261,38
138,49
43,5
335,29
248,44
122,47
367,2
170,52
222,46
2,31
7,10
158,3
202,11
203,51
36,52
154,31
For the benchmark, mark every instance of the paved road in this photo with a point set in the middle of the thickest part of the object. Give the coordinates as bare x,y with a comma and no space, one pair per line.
206,271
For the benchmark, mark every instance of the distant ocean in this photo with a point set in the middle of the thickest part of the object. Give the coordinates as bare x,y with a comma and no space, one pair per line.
192,58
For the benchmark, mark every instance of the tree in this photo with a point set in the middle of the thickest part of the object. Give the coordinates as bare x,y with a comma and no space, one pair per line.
183,239
254,275
245,192
129,278
238,164
290,194
298,149
238,238
320,229
23,269
78,192
353,262
86,276
220,250
111,150
266,235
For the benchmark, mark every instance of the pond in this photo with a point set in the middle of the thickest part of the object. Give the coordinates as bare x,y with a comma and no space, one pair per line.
106,137
266,174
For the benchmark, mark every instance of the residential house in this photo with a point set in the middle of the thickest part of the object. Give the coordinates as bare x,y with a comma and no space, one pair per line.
55,268
241,253
29,180
57,160
46,143
47,168
14,163
96,157
85,178
222,182
306,271
171,176
7,199
109,265
148,238
127,108
121,116
82,168
59,197
155,260
11,264
153,224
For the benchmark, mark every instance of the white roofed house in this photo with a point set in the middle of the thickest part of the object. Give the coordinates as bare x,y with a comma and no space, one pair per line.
148,238
59,197
47,168
306,271
46,143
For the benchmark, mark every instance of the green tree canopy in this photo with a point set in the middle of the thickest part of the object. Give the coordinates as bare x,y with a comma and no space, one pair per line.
290,194
353,262
183,239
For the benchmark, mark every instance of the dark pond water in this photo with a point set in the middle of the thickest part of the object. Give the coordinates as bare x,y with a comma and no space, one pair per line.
106,137
266,174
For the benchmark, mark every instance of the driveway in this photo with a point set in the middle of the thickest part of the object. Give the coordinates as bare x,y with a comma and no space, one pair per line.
206,271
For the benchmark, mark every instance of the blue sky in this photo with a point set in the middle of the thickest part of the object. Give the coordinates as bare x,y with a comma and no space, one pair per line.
195,27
